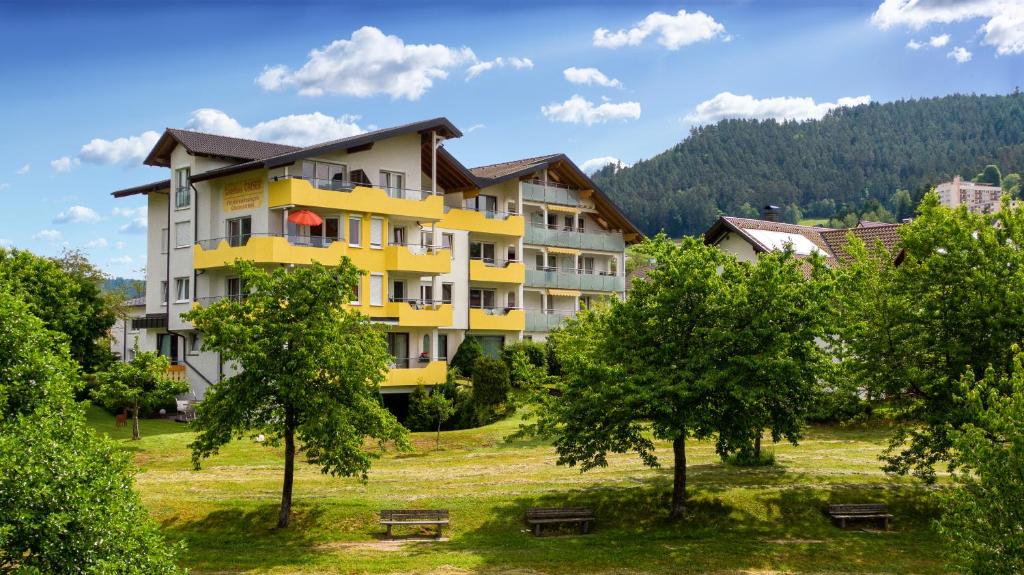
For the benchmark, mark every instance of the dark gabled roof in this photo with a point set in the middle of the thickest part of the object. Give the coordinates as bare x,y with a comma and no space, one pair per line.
506,170
211,145
143,189
445,128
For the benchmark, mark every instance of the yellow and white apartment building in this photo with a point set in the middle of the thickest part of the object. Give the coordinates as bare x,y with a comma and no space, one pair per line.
501,252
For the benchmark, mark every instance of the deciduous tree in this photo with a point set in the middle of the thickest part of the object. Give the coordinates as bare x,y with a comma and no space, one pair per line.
140,384
307,371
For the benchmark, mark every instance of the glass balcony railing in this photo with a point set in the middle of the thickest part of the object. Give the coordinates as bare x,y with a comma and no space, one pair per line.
561,236
575,279
336,185
545,320
551,194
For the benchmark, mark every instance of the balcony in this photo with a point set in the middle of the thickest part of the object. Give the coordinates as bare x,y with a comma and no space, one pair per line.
570,238
541,320
355,197
496,319
176,372
487,222
265,249
575,280
415,313
496,271
416,373
537,191
419,259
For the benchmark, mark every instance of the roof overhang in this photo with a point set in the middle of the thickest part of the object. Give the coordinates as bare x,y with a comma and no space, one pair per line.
160,186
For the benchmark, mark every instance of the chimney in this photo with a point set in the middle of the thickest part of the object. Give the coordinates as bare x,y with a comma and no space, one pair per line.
771,213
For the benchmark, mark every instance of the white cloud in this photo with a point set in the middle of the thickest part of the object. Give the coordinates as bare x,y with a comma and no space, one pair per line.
97,243
296,129
77,215
499,62
48,236
138,212
121,260
64,164
474,128
1004,27
960,54
590,76
594,164
914,45
674,31
939,41
367,64
136,226
120,245
23,170
125,151
578,110
729,105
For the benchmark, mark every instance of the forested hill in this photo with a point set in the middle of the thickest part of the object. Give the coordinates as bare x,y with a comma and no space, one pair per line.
828,167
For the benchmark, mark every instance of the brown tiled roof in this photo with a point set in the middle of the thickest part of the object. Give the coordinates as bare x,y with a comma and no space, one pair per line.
830,240
496,171
203,144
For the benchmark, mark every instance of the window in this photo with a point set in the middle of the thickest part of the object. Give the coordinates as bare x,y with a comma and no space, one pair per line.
586,302
163,292
613,267
376,289
376,233
481,251
442,346
194,344
164,240
510,254
425,350
483,203
235,288
182,234
511,299
181,292
398,235
167,346
332,229
427,292
182,190
511,207
581,222
977,195
325,175
588,265
398,291
426,239
357,290
446,293
481,298
239,230
569,223
355,229
393,182
447,240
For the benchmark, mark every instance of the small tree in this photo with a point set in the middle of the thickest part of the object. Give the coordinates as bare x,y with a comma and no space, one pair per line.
983,516
526,362
990,175
140,384
310,371
465,357
490,386
429,411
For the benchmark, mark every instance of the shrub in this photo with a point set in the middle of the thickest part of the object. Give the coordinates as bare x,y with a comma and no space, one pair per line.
490,387
526,362
746,458
465,357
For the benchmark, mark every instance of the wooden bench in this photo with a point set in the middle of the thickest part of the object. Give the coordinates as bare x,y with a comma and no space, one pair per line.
436,517
539,516
857,511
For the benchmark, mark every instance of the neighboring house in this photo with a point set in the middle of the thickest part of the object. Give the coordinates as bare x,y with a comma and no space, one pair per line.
123,333
979,198
745,238
501,252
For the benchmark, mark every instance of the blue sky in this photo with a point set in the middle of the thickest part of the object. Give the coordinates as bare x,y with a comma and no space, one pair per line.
86,83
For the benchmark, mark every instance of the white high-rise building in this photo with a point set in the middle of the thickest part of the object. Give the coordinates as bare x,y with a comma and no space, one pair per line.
979,198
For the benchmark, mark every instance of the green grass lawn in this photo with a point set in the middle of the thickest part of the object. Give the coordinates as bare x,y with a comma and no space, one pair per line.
814,221
743,520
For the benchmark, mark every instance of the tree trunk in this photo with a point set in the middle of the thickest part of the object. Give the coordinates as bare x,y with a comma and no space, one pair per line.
289,468
757,445
437,443
679,478
135,422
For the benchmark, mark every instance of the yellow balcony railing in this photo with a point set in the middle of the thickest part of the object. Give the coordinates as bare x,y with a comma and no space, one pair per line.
425,260
498,272
275,249
496,319
430,373
357,198
414,314
494,223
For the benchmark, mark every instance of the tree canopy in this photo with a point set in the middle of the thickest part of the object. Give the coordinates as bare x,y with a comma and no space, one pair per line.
306,370
139,384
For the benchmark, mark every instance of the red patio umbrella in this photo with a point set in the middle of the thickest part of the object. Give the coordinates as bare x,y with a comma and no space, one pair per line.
305,218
